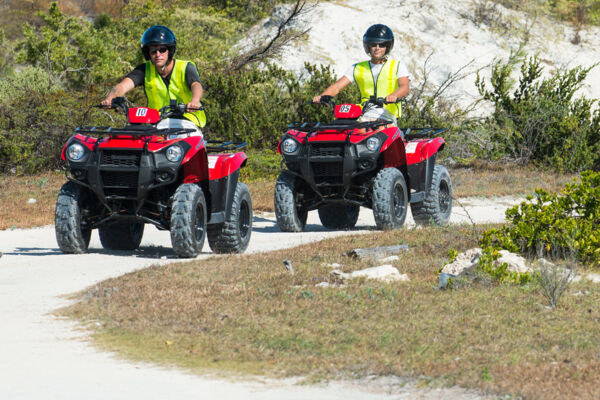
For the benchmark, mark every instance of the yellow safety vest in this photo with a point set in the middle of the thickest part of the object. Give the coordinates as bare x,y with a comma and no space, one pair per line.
387,82
159,95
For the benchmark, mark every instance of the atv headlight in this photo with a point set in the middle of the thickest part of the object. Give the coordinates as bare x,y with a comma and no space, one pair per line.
289,145
373,143
174,153
75,152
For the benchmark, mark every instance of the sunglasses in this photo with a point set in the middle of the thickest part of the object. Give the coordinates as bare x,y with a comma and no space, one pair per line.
160,50
381,45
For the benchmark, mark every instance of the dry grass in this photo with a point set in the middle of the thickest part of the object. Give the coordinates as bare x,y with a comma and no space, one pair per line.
476,180
247,314
15,192
490,180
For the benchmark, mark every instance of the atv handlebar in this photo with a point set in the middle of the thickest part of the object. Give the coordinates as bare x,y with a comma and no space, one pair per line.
174,109
373,100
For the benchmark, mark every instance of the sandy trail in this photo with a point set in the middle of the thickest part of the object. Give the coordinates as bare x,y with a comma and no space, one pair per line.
46,357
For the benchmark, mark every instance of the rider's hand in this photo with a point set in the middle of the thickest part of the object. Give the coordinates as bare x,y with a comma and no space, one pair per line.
193,105
391,98
317,99
107,102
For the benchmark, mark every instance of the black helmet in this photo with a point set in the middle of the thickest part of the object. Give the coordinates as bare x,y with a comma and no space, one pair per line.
156,35
378,33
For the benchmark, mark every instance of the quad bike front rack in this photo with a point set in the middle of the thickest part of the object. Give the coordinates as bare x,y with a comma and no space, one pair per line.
337,125
131,130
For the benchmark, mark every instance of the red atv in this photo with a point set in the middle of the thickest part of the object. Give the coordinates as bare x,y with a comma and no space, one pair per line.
120,179
340,166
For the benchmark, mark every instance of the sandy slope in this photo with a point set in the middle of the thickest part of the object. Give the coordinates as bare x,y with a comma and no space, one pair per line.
47,358
449,32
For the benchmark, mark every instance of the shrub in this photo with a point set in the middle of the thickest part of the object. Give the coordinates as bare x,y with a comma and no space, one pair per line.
541,120
33,123
256,105
561,225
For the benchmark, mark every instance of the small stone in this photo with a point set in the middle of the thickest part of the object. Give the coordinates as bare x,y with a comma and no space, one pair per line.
323,284
31,201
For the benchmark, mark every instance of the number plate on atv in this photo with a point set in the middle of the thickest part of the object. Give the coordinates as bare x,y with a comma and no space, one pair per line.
348,111
143,115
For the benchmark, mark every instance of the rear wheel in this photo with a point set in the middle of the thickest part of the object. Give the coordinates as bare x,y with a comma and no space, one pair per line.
339,216
437,206
291,216
72,232
188,220
233,236
390,199
121,235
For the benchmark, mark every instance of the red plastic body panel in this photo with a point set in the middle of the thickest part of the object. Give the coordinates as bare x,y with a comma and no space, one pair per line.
87,141
396,152
143,115
222,165
194,163
347,111
421,149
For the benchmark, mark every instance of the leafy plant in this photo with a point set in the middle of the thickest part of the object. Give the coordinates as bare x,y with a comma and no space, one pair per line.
554,225
541,120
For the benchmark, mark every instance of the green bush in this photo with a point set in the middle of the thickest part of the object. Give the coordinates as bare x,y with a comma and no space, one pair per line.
554,226
541,120
33,122
256,105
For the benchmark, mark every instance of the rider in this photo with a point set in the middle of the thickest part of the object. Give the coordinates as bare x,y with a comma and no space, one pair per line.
165,78
379,77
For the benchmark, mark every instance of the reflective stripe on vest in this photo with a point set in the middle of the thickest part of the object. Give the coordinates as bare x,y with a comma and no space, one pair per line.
387,83
159,96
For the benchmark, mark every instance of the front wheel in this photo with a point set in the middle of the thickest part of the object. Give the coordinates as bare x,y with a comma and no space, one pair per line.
339,216
390,199
291,216
121,235
72,232
233,236
437,205
188,220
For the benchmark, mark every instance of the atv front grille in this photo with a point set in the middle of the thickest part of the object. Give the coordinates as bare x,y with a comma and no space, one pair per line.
326,150
119,183
121,158
327,172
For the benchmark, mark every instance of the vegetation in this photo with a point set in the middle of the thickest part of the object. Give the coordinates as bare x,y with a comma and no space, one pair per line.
541,120
71,62
554,225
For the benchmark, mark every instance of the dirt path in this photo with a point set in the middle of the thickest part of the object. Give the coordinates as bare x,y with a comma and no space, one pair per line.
45,357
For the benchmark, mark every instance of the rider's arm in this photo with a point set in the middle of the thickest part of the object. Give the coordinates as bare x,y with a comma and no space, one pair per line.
193,81
334,89
119,90
197,92
402,91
